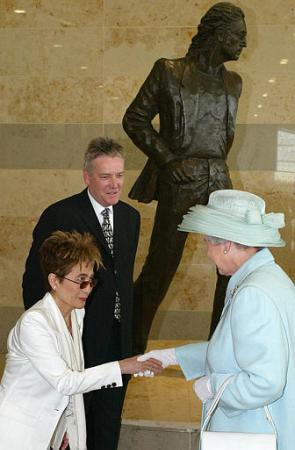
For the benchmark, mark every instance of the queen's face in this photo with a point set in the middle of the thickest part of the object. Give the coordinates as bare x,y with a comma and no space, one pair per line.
68,291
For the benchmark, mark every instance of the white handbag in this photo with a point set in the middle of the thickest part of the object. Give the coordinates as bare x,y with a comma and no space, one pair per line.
218,440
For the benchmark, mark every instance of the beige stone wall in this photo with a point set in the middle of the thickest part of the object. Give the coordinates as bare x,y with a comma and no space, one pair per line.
69,69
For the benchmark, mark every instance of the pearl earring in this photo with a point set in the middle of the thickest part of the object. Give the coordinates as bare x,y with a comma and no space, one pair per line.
225,252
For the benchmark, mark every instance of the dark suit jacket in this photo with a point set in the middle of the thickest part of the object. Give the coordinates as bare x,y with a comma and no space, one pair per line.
77,213
170,91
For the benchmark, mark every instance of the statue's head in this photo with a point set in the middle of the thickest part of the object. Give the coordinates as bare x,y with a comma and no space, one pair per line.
222,25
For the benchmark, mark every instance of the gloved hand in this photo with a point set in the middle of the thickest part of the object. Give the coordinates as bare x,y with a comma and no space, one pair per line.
202,389
167,356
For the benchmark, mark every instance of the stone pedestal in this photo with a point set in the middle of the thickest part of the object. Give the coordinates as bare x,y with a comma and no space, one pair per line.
152,435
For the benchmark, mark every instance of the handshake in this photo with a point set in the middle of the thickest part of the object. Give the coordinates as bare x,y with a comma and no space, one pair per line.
166,357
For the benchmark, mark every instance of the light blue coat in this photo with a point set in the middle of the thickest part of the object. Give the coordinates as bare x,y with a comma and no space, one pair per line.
255,342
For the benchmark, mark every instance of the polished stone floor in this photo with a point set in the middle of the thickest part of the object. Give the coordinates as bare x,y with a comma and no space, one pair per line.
165,398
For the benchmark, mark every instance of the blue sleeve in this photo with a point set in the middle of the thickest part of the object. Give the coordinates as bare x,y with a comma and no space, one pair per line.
191,359
261,352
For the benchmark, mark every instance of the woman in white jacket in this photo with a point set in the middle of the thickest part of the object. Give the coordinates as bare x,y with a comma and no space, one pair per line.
41,402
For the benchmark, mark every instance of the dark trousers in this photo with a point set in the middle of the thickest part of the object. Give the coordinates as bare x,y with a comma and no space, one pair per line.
103,407
164,255
103,418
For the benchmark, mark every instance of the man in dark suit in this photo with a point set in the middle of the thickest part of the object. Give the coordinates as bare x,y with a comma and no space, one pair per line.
196,99
107,334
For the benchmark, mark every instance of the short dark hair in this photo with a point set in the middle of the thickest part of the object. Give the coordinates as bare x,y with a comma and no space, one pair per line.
218,17
102,146
62,250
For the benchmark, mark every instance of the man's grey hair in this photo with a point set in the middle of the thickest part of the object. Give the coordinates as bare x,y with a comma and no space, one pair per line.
218,18
102,146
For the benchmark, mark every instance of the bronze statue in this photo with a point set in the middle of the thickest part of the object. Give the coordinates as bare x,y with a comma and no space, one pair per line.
196,98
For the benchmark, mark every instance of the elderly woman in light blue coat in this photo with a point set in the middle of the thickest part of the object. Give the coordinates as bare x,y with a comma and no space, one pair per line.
254,342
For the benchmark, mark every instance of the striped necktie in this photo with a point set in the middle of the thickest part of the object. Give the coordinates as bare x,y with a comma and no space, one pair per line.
108,234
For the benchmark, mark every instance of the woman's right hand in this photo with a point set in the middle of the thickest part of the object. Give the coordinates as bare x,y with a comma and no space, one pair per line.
132,365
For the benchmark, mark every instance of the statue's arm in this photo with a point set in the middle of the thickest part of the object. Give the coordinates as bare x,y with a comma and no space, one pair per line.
237,86
137,121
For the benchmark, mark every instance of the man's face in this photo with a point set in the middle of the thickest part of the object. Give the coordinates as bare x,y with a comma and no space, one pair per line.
234,40
104,179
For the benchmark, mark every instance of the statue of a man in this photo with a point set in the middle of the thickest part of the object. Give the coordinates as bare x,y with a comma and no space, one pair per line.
196,98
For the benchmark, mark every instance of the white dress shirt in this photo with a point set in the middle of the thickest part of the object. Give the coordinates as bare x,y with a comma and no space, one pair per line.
98,208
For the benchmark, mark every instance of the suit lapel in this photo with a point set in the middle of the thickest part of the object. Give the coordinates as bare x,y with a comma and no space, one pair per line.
119,230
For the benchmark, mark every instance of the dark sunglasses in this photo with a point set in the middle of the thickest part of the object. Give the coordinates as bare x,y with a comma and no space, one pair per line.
83,284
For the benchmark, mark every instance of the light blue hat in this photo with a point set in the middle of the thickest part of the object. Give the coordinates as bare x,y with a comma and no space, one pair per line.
237,216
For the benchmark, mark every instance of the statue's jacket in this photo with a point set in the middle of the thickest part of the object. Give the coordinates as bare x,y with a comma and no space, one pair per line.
169,92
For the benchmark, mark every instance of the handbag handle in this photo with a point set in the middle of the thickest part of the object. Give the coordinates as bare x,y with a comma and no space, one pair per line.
216,400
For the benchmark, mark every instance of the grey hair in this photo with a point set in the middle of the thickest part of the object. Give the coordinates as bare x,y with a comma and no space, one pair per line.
102,146
217,241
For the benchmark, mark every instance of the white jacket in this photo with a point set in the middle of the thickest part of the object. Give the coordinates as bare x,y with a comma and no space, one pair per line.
39,379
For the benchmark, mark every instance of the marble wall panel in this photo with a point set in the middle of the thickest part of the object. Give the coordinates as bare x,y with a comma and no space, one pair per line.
25,193
45,146
260,147
169,324
75,52
15,240
51,13
192,288
9,316
26,55
188,13
54,53
272,12
171,13
276,108
47,100
51,75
